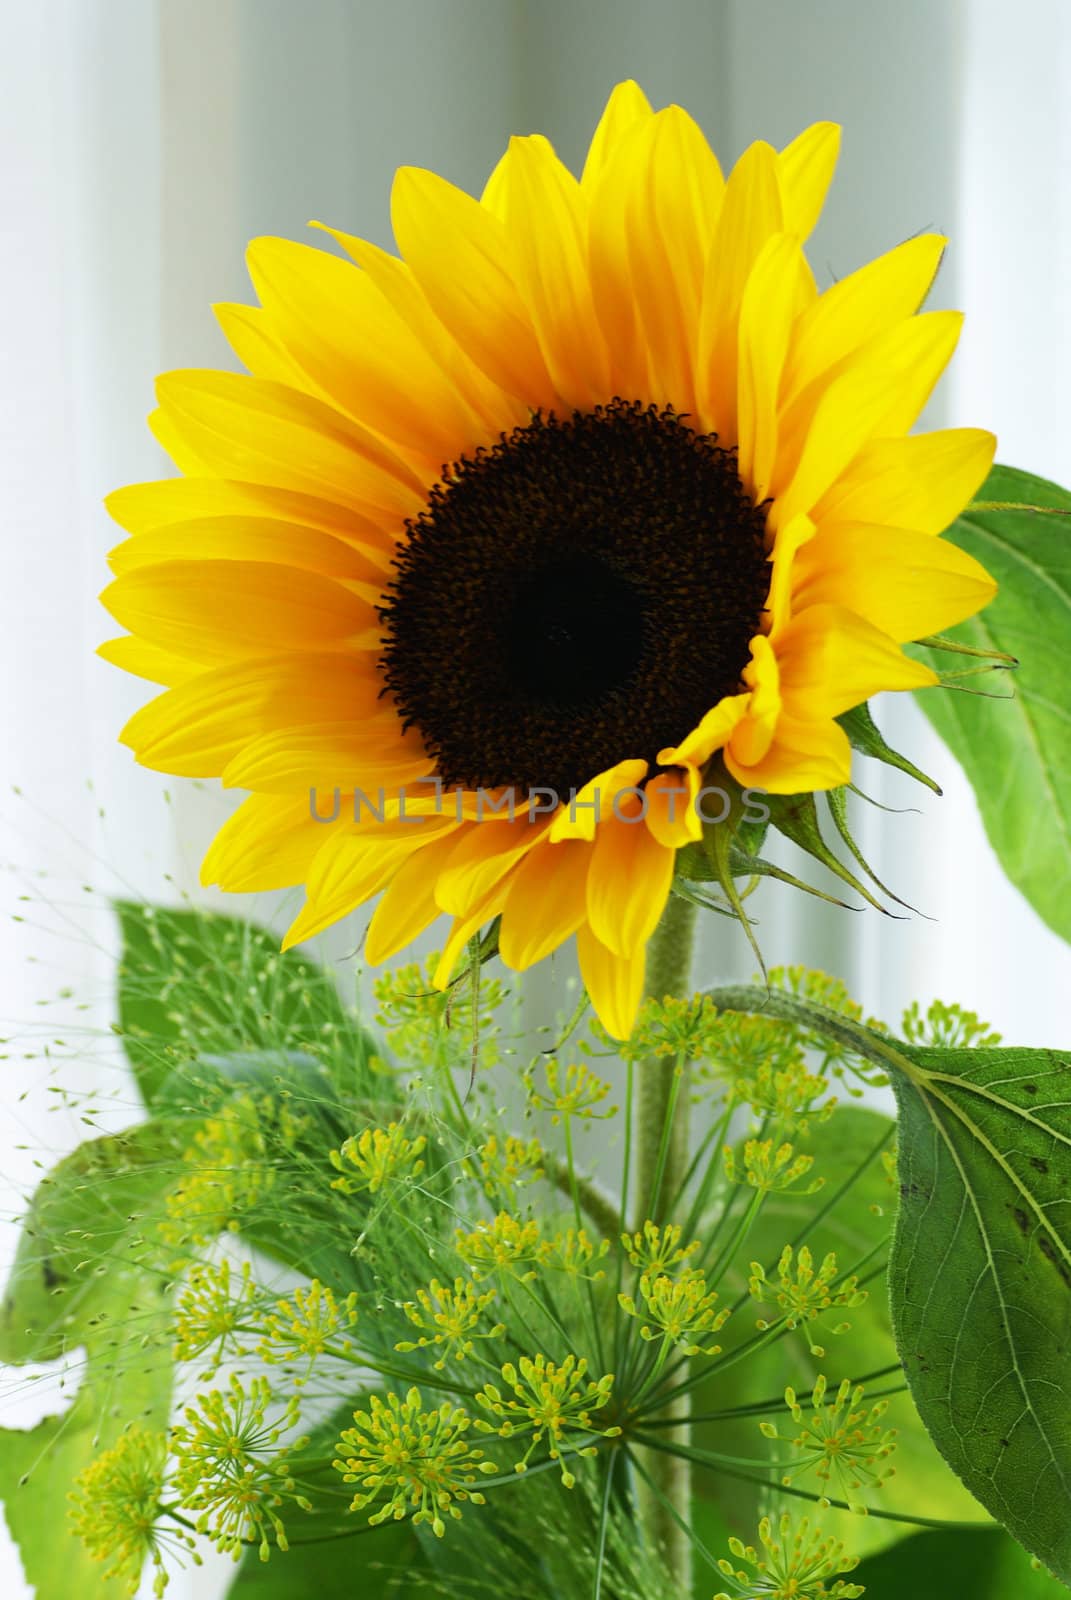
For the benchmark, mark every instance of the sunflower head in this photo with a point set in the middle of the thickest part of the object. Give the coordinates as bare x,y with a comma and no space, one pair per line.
516,560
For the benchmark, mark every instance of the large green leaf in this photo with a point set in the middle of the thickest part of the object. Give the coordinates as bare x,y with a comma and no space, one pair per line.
90,1285
980,1274
980,1562
1016,748
194,984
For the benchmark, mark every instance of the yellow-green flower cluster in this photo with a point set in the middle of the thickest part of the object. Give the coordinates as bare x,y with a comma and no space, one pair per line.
215,1307
770,1167
680,1311
229,1466
793,1097
947,1026
425,1026
658,1248
419,1463
575,1253
309,1322
229,1168
842,1440
505,1245
571,1091
449,1317
793,1562
677,1027
804,1292
115,1509
377,1156
548,1401
506,1165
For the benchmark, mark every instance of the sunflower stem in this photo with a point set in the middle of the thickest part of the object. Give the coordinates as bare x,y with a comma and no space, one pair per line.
661,1135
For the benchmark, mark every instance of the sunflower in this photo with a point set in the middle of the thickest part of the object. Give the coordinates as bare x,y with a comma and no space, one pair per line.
506,539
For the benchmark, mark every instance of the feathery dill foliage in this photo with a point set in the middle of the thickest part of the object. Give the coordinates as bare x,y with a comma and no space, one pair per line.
395,1301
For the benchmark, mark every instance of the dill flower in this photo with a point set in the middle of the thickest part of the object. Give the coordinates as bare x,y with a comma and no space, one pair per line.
503,1245
449,1317
309,1322
572,1092
116,1509
804,1292
573,1252
229,1466
420,1461
551,1401
947,1026
377,1156
841,1440
214,1308
421,1021
657,1248
771,1168
506,1165
794,1562
673,1026
680,1311
228,1169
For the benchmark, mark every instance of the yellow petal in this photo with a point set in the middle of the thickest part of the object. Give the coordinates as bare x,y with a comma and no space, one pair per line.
859,308
408,904
881,393
195,729
829,660
481,859
708,736
750,213
626,106
369,756
339,329
142,507
268,843
579,815
806,754
461,256
347,870
614,983
671,216
248,331
610,200
907,584
922,482
671,807
805,169
754,734
250,429
546,902
547,224
788,542
221,611
250,538
145,660
629,880
464,928
767,314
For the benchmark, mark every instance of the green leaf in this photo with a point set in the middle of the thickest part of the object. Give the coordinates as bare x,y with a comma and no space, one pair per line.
980,1273
193,984
1016,748
88,1273
980,1562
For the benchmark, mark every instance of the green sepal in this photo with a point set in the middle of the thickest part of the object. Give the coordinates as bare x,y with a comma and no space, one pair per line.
837,803
796,816
865,737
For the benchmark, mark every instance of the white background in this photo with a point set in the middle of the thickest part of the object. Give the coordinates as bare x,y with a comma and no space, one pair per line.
142,142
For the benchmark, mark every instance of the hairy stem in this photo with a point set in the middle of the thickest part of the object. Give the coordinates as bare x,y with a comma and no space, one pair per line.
661,1136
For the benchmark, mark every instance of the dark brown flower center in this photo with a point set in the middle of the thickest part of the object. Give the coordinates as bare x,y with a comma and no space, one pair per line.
583,592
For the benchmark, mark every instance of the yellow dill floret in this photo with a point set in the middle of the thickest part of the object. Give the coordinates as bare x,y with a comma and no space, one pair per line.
738,1045
804,1292
680,1311
115,1509
791,1094
572,1091
658,1248
419,1461
505,1165
573,1252
547,1401
425,1026
214,1308
229,1466
842,1440
307,1323
947,1026
792,1562
504,1246
770,1167
230,1168
376,1156
674,1026
449,1317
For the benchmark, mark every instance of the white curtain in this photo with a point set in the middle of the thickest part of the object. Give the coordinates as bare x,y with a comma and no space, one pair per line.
142,142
